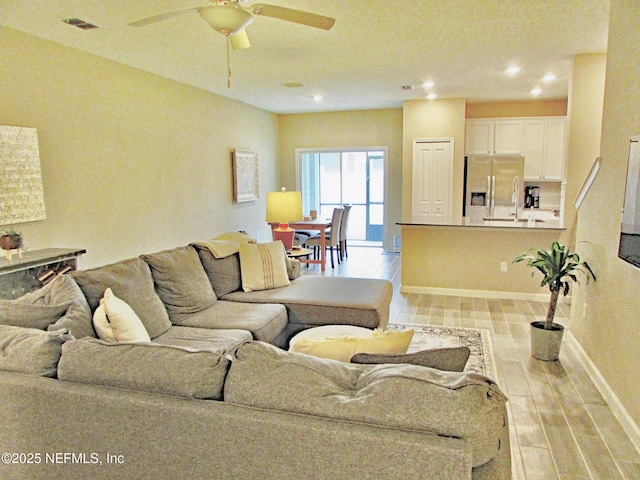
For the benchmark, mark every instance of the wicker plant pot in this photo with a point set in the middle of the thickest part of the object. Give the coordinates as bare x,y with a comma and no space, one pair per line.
10,242
545,344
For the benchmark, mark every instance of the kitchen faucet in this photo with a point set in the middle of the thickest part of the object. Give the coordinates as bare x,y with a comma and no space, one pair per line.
516,195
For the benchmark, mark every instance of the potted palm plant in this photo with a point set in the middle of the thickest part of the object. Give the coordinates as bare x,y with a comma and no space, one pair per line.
559,267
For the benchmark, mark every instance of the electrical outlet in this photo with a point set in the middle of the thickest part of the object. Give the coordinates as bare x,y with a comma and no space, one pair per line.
503,266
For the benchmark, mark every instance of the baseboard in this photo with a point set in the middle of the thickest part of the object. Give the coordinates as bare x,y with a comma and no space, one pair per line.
458,292
628,424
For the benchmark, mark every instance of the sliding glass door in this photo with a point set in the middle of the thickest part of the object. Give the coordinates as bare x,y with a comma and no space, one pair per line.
331,178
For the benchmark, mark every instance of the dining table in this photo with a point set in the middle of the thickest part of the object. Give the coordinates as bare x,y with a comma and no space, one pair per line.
321,226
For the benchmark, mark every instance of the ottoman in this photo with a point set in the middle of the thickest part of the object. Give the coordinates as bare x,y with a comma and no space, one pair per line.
342,342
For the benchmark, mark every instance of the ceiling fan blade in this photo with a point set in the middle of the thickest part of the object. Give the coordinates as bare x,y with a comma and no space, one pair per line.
295,16
161,17
240,40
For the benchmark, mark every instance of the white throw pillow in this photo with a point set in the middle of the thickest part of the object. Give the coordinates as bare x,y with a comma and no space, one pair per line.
115,321
263,266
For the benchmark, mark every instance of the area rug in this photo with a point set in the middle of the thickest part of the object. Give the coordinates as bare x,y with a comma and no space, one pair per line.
477,339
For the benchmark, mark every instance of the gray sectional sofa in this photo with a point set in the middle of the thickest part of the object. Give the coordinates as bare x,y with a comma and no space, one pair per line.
214,396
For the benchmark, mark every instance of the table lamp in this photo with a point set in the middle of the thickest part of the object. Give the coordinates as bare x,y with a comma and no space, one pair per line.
284,207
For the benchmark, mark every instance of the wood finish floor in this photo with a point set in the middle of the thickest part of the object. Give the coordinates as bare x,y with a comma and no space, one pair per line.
562,428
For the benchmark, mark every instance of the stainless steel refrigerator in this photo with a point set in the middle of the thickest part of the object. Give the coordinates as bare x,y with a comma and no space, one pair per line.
493,186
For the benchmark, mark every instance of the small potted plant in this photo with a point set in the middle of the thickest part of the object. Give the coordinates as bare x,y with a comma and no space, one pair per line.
559,267
10,240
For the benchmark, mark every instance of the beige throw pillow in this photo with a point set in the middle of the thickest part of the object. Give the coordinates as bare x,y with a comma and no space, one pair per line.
115,321
263,266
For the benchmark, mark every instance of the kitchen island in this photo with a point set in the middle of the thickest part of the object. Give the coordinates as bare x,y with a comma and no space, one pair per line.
473,257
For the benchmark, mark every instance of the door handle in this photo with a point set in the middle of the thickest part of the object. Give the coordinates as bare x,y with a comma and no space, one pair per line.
493,193
488,197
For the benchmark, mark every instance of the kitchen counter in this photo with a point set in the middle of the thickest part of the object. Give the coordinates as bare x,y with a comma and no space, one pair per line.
467,257
498,222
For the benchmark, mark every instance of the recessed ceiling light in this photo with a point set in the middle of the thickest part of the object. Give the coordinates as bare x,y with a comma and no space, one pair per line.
317,98
536,91
513,70
428,84
548,78
432,96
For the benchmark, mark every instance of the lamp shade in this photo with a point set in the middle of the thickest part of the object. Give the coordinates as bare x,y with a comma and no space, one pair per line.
284,207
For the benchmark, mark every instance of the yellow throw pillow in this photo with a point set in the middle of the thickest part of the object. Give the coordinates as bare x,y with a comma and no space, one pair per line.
115,321
342,342
263,266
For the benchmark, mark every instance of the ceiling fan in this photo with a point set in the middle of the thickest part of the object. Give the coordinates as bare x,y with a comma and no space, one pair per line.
230,17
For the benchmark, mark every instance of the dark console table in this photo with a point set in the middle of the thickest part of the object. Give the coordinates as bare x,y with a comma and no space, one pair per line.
36,268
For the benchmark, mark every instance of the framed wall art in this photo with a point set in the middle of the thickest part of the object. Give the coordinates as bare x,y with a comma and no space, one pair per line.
245,175
21,192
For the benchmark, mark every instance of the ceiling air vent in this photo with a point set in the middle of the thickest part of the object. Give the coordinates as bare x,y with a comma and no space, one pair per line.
407,87
76,22
293,85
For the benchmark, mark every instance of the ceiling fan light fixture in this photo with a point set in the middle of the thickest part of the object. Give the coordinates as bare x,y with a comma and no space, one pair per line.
240,40
226,19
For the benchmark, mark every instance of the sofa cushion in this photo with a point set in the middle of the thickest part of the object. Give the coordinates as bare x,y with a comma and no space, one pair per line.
221,341
263,266
223,273
314,300
77,319
265,321
131,281
452,404
452,359
115,321
57,305
147,367
181,282
342,342
28,315
31,351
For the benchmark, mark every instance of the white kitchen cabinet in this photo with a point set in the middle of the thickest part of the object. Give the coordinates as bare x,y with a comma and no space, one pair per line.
479,137
507,138
544,148
493,137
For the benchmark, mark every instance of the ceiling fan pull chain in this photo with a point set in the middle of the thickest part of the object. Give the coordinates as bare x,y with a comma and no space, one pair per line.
228,63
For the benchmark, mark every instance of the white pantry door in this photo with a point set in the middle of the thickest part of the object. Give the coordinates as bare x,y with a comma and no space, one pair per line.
432,170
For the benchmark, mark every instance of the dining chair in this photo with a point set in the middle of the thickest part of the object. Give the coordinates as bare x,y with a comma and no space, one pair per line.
344,226
332,238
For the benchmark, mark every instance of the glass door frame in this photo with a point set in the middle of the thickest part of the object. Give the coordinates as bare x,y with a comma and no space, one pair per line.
340,150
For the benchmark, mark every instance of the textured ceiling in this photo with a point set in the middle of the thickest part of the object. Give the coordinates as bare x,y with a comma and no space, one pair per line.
375,47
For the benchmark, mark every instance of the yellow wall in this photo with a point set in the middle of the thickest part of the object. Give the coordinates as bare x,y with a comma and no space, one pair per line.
131,162
434,119
541,108
586,97
363,128
610,333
